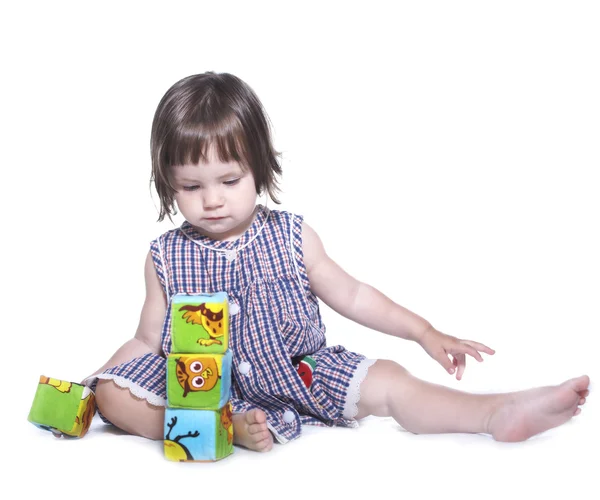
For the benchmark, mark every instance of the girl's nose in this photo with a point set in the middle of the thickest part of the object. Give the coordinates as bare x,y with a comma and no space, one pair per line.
213,198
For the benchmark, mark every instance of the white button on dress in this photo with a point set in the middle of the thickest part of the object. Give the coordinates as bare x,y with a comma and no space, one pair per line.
289,417
244,367
233,309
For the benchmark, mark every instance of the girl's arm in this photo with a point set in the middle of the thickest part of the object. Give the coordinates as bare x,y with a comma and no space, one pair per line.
147,338
369,307
353,299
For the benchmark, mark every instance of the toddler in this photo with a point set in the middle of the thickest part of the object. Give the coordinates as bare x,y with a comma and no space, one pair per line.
212,156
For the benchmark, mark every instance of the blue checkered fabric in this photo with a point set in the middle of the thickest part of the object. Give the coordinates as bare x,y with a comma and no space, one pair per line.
278,320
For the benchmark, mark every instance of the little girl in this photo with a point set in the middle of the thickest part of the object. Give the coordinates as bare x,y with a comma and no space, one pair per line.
212,156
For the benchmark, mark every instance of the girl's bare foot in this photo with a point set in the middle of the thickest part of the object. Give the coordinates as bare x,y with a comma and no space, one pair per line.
250,430
524,414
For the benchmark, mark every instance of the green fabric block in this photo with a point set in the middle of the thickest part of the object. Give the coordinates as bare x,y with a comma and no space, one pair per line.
200,323
62,407
54,408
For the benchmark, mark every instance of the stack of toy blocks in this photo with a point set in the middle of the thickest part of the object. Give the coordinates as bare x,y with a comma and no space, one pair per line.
198,417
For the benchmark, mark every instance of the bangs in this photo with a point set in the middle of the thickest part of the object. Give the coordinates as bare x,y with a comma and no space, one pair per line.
193,142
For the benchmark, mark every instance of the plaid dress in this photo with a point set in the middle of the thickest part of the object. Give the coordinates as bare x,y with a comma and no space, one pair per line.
278,320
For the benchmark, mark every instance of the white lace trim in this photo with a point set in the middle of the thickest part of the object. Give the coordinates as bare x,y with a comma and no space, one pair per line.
135,389
353,394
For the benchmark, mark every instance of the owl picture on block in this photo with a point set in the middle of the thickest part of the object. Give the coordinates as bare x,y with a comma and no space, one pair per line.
200,323
199,381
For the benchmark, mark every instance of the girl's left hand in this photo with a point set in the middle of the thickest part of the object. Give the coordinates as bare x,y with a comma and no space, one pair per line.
451,352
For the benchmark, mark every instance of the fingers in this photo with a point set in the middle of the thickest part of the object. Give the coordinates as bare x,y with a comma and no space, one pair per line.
460,361
458,351
456,364
442,358
471,348
464,347
479,346
451,352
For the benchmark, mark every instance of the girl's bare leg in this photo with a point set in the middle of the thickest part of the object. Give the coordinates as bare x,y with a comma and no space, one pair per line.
131,414
137,416
421,407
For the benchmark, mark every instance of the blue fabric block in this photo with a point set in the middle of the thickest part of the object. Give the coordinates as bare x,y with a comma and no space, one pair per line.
198,435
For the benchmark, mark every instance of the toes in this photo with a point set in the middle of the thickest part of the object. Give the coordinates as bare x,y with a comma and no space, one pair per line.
258,429
264,445
579,384
256,416
257,432
582,401
577,412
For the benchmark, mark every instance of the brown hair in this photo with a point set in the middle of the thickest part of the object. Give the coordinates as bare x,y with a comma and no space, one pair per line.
211,110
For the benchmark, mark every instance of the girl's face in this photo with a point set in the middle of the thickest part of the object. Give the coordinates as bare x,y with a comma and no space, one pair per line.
218,199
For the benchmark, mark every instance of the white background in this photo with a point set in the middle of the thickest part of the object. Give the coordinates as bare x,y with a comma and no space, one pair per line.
446,152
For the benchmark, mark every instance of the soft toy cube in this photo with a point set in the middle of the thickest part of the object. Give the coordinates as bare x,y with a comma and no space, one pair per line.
63,408
199,380
198,435
200,323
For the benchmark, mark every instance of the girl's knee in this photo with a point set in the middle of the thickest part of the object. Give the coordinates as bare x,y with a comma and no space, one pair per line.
377,389
386,368
107,400
131,414
107,394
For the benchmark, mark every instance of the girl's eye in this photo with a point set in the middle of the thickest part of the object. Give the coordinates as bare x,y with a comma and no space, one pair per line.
190,188
231,182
